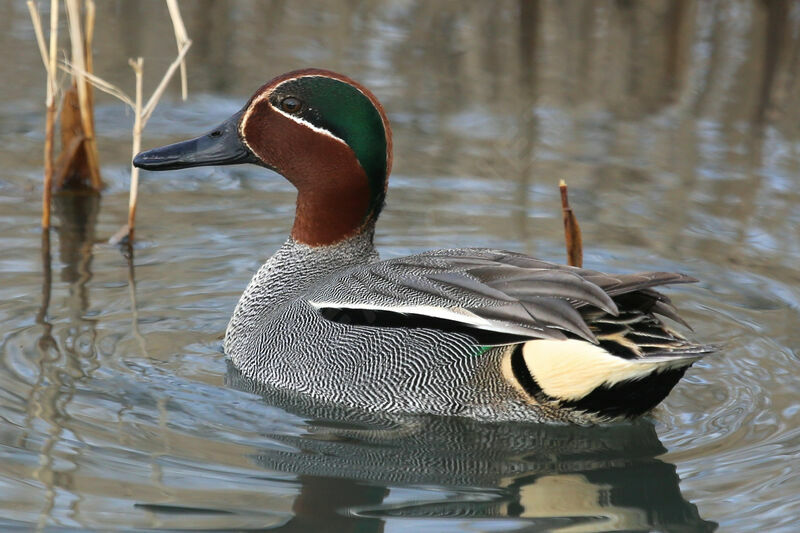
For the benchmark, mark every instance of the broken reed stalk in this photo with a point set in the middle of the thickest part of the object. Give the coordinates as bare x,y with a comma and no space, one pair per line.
152,102
51,114
181,38
137,145
572,231
49,133
143,115
88,25
89,57
79,52
100,83
49,58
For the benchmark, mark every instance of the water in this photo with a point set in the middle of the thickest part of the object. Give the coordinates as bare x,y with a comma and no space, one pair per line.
676,127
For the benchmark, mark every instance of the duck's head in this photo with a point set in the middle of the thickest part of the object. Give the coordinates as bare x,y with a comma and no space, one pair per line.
325,133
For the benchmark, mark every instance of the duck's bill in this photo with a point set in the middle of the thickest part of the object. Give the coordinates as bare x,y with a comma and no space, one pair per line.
221,146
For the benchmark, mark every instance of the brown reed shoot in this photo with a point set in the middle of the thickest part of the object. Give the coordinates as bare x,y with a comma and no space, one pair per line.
79,59
572,231
71,167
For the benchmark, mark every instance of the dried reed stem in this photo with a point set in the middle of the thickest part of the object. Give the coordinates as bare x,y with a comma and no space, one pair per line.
572,231
141,116
100,83
141,113
152,102
49,60
137,144
79,59
181,38
37,29
51,115
89,30
54,11
47,189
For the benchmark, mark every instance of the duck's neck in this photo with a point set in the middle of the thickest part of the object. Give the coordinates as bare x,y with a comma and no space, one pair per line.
332,212
291,271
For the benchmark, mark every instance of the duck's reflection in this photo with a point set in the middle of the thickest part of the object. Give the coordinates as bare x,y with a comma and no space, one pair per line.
555,478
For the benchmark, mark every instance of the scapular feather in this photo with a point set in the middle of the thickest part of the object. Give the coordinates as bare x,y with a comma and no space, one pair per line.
510,293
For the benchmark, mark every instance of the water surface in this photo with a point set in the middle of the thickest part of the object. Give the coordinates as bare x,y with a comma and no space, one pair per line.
676,127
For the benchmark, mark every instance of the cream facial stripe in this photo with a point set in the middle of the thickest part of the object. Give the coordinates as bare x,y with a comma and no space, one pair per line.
300,121
323,131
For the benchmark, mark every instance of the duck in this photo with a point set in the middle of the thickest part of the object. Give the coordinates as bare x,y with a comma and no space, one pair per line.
482,333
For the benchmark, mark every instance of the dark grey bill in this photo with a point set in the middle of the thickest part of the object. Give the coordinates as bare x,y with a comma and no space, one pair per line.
221,146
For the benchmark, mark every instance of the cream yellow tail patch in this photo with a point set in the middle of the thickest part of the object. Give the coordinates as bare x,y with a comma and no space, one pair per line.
571,369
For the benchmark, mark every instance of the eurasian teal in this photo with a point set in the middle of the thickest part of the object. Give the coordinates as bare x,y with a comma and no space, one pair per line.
475,332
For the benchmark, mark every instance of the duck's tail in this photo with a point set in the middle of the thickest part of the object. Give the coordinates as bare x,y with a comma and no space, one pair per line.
578,375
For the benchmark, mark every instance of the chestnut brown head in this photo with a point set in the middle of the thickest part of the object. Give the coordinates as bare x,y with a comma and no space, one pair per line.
325,133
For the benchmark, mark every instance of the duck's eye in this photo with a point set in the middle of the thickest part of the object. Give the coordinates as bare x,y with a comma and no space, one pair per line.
291,104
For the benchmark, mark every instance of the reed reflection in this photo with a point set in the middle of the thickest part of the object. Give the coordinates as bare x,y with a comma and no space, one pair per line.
70,354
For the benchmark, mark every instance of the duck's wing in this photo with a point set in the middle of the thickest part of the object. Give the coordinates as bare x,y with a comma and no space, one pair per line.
482,290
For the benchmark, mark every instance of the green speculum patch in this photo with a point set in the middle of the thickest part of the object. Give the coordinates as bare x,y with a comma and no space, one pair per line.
348,114
480,350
